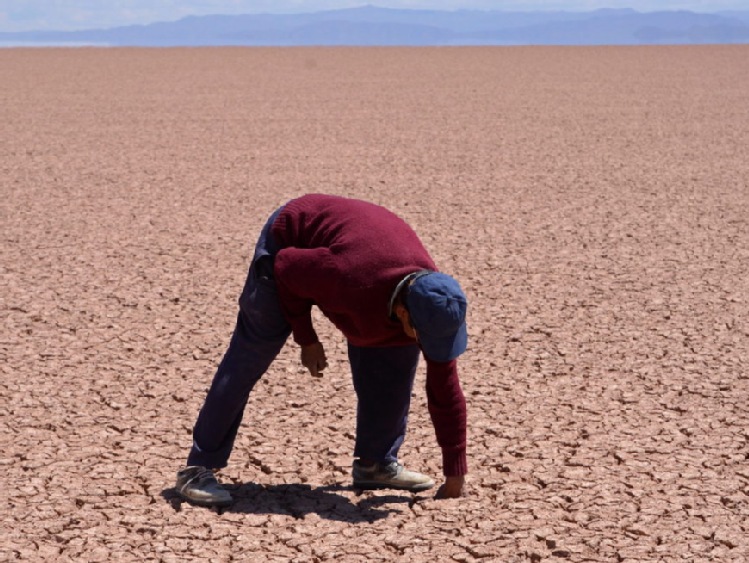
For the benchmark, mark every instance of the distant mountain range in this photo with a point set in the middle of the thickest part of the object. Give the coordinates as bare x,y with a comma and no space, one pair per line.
381,26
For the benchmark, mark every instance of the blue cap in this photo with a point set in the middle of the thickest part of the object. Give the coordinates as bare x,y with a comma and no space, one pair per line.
437,306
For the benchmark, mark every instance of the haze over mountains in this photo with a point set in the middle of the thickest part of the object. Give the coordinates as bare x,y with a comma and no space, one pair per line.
382,26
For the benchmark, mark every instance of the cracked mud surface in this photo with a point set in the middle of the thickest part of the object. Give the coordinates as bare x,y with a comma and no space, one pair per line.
593,203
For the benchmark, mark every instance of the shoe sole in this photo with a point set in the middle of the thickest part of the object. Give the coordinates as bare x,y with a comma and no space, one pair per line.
206,503
374,486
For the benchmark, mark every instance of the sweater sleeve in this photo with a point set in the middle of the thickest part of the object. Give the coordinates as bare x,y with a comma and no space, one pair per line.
447,408
303,276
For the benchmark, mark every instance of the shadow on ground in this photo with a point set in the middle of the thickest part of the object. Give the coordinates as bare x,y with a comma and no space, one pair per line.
299,500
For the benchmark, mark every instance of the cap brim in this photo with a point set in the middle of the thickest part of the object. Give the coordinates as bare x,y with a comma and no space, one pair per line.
445,348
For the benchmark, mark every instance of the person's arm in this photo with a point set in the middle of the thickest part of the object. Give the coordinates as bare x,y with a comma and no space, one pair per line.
447,408
303,276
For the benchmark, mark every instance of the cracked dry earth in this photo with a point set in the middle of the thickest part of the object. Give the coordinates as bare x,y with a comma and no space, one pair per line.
592,201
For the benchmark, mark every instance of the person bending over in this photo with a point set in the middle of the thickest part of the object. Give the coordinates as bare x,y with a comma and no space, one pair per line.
369,273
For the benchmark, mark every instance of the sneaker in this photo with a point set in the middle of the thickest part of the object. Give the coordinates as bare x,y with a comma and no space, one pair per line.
198,485
390,476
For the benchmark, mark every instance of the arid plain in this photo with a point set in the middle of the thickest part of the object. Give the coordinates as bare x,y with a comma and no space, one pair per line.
594,203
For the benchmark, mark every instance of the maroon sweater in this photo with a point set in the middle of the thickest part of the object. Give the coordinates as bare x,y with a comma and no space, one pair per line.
346,256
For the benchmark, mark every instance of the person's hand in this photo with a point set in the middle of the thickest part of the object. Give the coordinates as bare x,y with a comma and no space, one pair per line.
313,358
451,488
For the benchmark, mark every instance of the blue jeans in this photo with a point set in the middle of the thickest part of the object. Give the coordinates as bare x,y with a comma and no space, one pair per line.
383,377
383,380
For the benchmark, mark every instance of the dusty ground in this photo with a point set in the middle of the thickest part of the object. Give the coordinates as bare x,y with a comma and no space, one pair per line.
593,202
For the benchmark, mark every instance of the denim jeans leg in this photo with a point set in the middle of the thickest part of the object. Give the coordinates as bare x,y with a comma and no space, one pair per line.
259,335
383,380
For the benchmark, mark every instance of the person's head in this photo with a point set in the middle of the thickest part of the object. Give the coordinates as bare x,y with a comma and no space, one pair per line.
431,306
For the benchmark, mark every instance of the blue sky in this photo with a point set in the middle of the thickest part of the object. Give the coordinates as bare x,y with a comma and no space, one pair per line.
24,15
